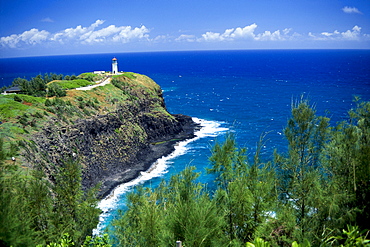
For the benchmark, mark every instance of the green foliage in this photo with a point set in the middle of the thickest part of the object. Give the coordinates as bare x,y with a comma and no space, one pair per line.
37,86
305,243
258,242
321,183
10,108
64,109
91,77
302,180
48,102
127,74
350,166
17,98
54,89
96,241
75,211
121,84
350,237
179,210
245,192
34,211
16,225
184,210
71,84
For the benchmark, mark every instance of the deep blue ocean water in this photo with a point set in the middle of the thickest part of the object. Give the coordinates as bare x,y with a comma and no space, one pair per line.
246,92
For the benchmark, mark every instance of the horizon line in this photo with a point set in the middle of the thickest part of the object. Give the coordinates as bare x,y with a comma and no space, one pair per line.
201,50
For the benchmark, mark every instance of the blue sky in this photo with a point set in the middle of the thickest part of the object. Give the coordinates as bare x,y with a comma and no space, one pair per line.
57,27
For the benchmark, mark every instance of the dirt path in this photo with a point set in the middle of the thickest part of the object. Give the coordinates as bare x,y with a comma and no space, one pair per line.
103,83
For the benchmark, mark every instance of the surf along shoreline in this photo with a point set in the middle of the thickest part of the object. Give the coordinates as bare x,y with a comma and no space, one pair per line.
112,202
147,157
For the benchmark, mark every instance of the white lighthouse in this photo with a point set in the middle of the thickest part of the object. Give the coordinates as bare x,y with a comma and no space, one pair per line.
114,66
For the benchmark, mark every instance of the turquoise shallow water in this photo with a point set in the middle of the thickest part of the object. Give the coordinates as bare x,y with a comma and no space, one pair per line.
246,92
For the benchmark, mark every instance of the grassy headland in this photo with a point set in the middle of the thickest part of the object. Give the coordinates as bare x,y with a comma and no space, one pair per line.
58,145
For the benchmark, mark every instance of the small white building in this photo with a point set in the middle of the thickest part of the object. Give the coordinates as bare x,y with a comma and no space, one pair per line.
12,90
99,72
114,66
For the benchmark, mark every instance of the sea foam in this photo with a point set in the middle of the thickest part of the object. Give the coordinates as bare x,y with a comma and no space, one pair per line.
111,202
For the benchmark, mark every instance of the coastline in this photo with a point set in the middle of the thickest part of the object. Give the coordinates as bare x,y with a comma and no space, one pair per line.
111,202
148,156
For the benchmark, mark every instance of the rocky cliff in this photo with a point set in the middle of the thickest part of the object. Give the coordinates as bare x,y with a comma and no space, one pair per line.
115,131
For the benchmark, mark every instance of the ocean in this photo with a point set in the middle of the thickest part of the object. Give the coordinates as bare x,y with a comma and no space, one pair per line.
247,92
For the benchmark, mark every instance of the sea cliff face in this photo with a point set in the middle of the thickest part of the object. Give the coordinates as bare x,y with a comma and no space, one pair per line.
123,133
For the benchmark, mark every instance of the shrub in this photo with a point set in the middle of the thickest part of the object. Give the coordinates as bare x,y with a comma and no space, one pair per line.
38,115
17,98
48,102
54,89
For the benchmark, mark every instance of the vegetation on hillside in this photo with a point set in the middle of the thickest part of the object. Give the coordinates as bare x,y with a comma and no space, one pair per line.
40,209
22,114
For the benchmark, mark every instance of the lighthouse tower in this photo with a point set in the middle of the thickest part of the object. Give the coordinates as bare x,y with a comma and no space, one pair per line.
114,66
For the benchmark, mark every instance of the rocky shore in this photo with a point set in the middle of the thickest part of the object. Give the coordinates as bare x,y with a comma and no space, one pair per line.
146,157
110,149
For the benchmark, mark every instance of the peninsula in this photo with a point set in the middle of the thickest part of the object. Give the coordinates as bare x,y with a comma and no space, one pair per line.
116,125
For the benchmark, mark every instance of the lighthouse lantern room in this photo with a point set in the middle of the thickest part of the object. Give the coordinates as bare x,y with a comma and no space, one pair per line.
114,66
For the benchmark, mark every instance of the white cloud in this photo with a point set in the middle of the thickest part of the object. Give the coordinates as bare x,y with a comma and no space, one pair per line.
31,37
186,37
160,38
211,36
247,33
47,19
230,34
351,10
267,35
126,34
72,34
10,41
353,34
99,35
79,34
34,36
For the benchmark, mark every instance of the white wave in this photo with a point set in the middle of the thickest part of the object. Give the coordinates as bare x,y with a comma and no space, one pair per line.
158,168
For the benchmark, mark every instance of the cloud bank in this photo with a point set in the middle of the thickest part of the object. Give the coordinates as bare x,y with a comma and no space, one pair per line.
112,34
353,34
247,33
80,35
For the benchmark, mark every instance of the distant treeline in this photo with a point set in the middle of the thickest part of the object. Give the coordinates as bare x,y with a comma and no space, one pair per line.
37,86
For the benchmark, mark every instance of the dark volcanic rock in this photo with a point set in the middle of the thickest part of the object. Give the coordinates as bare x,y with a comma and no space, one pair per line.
112,148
